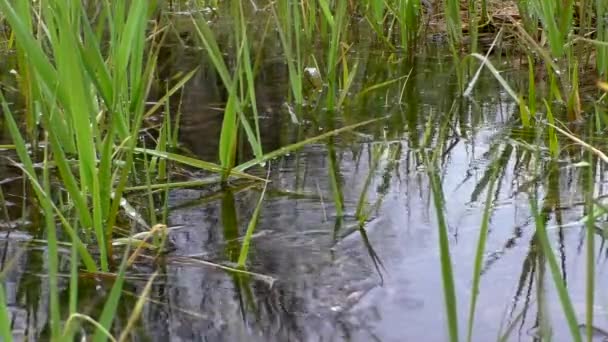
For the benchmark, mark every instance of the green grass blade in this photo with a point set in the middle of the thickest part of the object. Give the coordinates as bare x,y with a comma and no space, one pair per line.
111,305
53,257
447,273
139,306
5,321
200,164
69,180
334,178
562,292
481,246
253,222
590,247
227,148
290,148
327,12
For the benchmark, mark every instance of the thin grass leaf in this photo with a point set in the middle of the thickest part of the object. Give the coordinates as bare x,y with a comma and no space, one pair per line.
498,77
200,164
139,305
5,321
479,252
111,304
447,273
98,327
253,222
287,149
53,257
562,292
590,250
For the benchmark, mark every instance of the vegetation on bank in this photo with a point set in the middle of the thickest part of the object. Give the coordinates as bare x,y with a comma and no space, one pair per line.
84,74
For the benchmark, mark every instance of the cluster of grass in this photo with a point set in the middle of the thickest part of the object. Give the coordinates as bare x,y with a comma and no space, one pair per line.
85,73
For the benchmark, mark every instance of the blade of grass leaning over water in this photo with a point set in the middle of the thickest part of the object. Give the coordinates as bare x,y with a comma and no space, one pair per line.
447,273
562,291
139,305
296,146
5,321
253,222
111,304
479,253
200,164
431,162
76,316
334,178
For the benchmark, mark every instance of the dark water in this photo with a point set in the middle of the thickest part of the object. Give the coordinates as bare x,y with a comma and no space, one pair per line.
335,279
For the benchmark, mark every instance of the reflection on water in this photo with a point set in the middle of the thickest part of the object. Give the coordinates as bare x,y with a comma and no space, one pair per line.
372,273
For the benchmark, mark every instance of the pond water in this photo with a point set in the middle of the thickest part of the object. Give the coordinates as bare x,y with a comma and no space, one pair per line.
362,275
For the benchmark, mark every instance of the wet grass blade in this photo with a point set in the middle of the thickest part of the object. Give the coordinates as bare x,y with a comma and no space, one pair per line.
481,246
111,305
562,291
531,88
253,222
447,273
200,164
139,305
53,256
334,178
99,328
5,321
299,145
498,77
590,247
552,136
